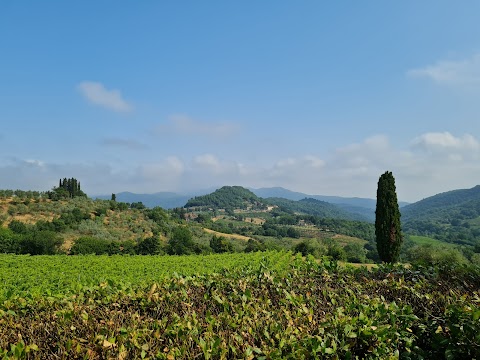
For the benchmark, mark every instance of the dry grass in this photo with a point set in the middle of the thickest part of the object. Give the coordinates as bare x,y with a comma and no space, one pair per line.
230,236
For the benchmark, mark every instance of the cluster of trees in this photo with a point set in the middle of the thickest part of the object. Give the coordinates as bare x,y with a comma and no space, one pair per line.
18,238
180,242
21,194
353,252
67,188
269,228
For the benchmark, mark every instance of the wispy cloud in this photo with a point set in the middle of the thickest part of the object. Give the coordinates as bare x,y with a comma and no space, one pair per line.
97,94
184,125
449,72
123,143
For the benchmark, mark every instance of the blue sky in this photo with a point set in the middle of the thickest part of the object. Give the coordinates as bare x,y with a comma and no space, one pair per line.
318,97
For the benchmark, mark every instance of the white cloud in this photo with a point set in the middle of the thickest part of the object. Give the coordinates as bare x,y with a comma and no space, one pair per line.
434,162
35,163
96,93
184,125
444,141
466,71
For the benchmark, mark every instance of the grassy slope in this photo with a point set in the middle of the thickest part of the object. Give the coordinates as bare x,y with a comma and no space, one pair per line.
424,240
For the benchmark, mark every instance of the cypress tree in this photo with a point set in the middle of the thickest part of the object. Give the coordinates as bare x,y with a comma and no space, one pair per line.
387,220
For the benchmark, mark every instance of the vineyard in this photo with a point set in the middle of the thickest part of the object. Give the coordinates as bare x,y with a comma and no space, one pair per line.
260,305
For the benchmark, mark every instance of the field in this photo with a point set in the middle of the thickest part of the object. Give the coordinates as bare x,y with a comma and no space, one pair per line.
259,305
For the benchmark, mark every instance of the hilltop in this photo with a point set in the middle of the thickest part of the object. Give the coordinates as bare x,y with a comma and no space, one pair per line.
228,197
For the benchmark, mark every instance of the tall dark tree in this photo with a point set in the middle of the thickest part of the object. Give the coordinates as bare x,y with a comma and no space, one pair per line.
387,220
67,188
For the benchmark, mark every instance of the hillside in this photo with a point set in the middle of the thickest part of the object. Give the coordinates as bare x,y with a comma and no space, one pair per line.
362,208
315,207
453,216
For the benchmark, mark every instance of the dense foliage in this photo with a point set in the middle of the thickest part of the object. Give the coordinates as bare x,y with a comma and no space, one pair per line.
388,230
259,306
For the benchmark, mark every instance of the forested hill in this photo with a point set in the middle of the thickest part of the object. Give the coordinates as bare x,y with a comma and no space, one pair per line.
227,197
315,207
453,216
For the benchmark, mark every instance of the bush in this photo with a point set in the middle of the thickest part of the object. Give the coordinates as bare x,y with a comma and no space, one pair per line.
355,253
89,245
220,245
428,255
18,227
40,243
254,246
149,246
9,242
181,242
310,247
336,252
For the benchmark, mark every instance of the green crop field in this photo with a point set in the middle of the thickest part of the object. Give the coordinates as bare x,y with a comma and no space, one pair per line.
252,306
59,275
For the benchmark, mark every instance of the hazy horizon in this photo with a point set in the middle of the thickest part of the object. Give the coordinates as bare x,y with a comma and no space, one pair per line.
319,98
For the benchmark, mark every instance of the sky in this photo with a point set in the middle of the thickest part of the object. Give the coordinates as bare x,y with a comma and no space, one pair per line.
320,97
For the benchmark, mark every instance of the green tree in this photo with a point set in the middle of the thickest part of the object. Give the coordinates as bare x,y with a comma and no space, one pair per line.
220,245
149,246
181,242
387,220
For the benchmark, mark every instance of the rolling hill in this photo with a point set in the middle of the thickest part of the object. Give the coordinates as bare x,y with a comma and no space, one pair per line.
228,197
315,207
453,216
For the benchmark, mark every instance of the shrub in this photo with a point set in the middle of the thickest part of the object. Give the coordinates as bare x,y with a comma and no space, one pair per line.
220,245
181,242
310,247
336,252
9,241
40,243
355,253
89,245
254,246
18,227
149,246
428,255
